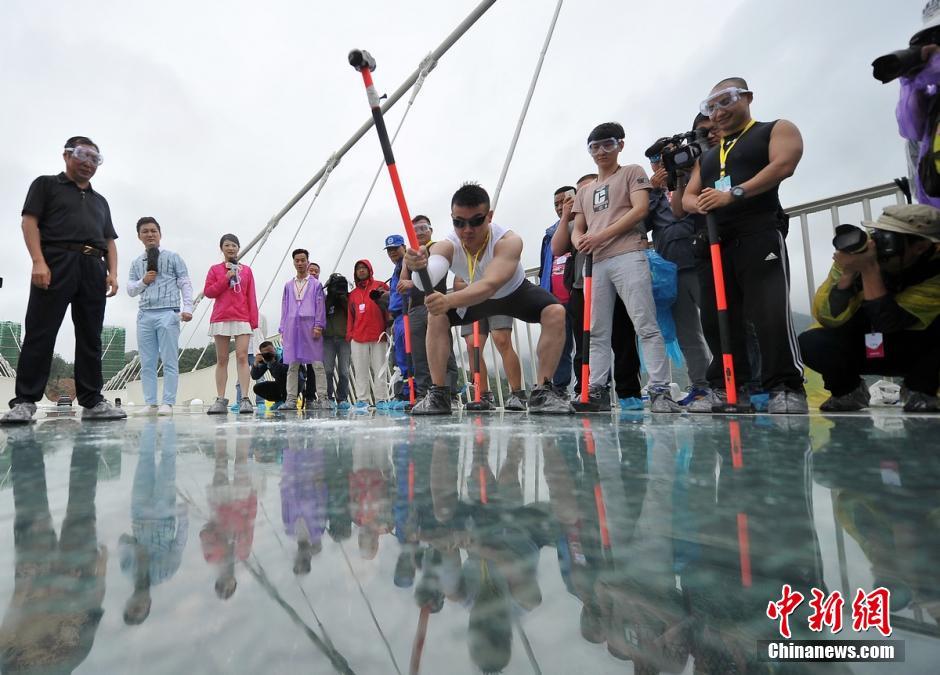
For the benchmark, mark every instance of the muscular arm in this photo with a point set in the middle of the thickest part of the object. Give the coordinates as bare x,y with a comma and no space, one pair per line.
506,255
785,152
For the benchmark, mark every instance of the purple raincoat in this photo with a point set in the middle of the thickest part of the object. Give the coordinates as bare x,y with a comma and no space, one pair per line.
299,318
916,93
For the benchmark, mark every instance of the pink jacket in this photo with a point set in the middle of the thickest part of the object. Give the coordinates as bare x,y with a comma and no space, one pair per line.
236,303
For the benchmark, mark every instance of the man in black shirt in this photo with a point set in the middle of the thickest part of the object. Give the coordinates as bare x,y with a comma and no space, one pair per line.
736,182
68,232
267,361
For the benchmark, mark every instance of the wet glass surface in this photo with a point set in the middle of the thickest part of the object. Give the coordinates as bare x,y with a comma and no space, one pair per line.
593,544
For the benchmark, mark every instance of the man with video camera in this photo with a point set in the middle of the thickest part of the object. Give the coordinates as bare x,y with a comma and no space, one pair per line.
879,310
736,183
267,361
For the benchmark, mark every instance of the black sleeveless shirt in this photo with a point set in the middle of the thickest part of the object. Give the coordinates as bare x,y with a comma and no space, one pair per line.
748,157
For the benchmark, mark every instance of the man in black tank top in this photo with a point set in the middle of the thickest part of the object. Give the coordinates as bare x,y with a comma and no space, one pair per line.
737,183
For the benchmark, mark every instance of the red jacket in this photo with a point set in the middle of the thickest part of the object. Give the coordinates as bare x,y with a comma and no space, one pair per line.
366,319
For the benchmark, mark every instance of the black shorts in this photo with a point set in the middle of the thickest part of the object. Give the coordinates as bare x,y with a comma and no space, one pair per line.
525,303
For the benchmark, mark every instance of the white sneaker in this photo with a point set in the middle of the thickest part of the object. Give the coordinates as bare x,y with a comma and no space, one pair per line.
147,410
165,409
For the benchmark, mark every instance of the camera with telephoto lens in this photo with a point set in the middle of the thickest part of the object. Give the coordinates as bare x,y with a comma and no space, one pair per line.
905,62
678,153
854,240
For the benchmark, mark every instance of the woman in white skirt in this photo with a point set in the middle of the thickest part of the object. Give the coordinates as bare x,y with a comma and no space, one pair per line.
234,315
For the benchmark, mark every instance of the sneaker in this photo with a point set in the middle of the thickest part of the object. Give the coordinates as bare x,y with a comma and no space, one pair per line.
787,402
515,402
103,410
694,394
707,402
147,411
487,402
856,399
630,403
289,404
313,404
343,405
598,400
276,405
435,402
547,400
245,407
661,401
21,413
165,410
220,407
919,402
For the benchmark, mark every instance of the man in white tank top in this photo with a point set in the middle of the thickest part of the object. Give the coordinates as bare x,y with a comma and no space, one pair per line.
488,257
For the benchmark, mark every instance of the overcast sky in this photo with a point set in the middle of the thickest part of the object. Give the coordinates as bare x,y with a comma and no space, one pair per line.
211,115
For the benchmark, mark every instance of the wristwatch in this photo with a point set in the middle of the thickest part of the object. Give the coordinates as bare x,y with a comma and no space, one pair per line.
738,193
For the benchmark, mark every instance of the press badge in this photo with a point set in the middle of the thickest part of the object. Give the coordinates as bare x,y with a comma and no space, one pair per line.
723,184
362,307
874,345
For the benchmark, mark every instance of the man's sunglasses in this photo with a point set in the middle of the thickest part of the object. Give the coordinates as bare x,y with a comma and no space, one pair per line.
475,221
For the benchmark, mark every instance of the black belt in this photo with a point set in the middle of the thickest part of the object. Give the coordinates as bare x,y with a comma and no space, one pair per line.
84,249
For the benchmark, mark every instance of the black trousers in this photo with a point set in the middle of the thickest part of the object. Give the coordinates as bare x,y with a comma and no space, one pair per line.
757,289
623,342
269,390
78,281
838,354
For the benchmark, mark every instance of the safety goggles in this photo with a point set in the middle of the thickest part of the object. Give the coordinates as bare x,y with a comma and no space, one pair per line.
474,222
606,146
86,155
421,228
721,100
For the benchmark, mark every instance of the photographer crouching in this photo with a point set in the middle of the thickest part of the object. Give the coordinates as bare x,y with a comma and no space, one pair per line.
267,361
879,310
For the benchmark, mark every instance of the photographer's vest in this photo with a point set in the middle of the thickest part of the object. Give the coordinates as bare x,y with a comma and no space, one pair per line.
748,156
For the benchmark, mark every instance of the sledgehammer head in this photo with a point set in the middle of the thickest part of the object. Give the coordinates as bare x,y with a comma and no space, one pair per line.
360,58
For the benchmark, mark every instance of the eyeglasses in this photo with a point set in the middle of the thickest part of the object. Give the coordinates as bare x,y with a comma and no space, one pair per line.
474,222
607,145
86,155
721,100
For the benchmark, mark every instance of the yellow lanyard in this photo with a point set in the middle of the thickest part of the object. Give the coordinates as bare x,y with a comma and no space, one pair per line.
723,152
473,260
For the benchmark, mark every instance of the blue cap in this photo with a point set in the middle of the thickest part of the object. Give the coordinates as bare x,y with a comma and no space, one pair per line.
394,241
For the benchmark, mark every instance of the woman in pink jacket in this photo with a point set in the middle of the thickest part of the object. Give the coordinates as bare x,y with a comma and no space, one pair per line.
234,315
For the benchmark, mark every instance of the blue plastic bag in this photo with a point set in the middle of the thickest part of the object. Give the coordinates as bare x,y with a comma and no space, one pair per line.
665,279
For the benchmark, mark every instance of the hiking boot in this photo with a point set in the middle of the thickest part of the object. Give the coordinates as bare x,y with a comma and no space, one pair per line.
21,413
630,404
661,401
785,401
435,402
486,403
548,400
165,410
857,399
219,407
103,410
693,394
246,408
919,402
515,402
598,400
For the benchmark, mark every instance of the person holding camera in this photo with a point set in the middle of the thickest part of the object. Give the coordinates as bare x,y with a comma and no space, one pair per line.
268,361
366,335
673,238
159,277
608,219
879,310
336,350
397,307
737,184
234,316
70,238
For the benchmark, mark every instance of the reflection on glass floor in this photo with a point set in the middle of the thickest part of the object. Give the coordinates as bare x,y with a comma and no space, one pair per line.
470,544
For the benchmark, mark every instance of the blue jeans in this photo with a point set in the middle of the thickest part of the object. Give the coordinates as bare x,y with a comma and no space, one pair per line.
562,376
158,336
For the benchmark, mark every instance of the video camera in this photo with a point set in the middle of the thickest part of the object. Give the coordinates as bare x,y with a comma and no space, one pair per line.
678,153
337,285
853,239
